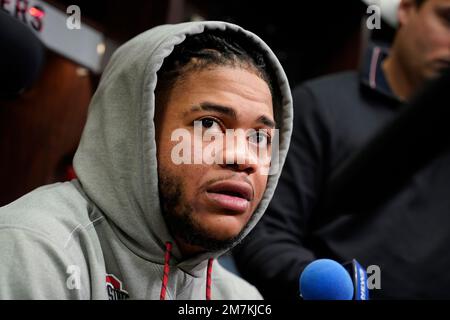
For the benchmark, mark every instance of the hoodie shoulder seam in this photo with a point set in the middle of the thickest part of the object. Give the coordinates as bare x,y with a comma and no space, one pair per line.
80,226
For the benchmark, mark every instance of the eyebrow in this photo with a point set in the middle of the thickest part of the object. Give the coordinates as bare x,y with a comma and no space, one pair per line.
266,121
208,106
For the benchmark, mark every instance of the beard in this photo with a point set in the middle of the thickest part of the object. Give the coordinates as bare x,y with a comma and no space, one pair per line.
179,216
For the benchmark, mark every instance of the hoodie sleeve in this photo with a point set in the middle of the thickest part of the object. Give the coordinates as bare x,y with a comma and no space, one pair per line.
34,268
275,253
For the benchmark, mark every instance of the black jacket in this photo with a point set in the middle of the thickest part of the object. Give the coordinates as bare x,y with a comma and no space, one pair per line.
407,236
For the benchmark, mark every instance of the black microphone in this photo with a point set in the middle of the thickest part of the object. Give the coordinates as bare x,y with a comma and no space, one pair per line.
21,56
326,279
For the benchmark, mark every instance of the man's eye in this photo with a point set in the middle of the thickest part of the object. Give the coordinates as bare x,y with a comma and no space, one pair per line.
209,122
260,138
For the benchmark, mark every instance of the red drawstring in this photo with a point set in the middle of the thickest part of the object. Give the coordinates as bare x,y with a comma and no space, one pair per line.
165,280
208,279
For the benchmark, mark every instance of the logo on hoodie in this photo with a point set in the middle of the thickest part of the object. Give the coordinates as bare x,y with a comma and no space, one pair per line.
115,289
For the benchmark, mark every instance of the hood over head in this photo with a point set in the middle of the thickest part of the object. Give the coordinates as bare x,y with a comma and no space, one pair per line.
116,161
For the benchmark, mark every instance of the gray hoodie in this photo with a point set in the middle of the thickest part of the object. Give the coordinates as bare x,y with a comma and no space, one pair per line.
102,236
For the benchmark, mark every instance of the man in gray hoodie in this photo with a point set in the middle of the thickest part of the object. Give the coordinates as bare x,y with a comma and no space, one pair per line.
160,194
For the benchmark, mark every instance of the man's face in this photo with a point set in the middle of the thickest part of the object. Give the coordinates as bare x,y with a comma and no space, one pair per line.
206,205
425,37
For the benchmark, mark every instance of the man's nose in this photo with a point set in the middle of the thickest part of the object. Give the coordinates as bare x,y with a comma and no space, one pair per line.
238,156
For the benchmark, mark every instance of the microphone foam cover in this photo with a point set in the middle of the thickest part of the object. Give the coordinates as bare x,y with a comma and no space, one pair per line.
325,279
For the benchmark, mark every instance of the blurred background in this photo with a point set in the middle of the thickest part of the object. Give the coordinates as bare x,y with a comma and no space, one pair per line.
49,69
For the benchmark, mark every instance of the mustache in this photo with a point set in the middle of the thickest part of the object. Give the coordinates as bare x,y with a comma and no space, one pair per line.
443,62
233,176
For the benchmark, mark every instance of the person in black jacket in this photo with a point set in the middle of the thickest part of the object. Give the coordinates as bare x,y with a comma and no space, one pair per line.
407,236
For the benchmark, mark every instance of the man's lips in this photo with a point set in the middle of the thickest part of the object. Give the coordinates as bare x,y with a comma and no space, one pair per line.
231,195
442,63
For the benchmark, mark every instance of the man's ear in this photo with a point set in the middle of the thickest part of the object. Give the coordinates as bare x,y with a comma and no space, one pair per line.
405,11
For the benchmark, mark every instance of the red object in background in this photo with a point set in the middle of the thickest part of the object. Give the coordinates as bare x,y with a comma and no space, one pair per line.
70,173
36,12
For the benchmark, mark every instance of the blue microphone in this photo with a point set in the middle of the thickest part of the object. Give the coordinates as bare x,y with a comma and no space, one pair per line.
326,279
359,280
